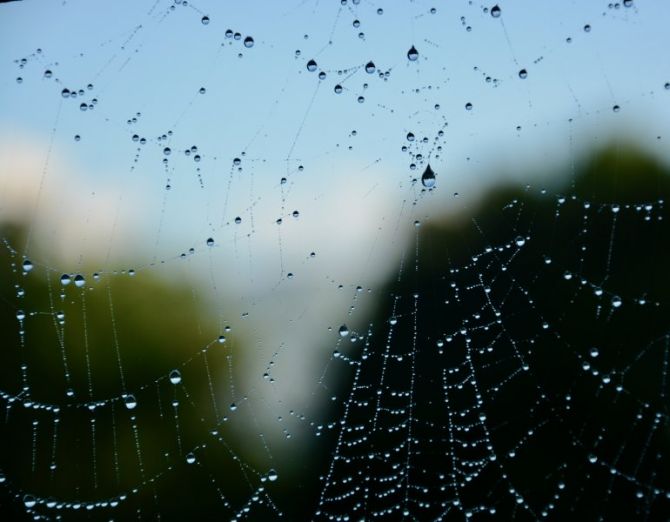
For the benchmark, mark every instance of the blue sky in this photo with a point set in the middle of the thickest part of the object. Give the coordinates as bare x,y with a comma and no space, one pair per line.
152,58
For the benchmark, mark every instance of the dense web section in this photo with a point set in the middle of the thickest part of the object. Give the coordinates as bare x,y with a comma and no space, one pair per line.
343,260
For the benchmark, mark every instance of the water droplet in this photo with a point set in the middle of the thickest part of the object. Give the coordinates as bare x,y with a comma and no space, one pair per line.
130,402
210,241
205,20
523,74
344,331
175,376
520,241
496,11
338,89
370,68
616,301
311,66
190,458
79,281
167,151
594,352
468,106
65,279
412,54
20,315
428,177
27,265
248,42
29,501
587,28
272,475
410,136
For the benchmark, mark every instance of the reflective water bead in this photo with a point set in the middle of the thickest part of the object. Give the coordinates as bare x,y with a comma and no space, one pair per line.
428,177
412,54
175,376
130,402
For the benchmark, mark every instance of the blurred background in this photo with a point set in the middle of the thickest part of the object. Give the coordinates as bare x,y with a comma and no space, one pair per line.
217,226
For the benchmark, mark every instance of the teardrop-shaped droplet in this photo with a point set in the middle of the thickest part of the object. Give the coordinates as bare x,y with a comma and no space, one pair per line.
311,66
370,67
412,54
495,11
344,331
248,42
428,177
65,279
79,280
27,265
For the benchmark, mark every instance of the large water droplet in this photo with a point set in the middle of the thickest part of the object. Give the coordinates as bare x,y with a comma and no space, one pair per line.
248,42
311,66
344,331
428,177
272,475
79,280
412,54
205,20
29,501
370,68
27,265
495,11
175,376
130,402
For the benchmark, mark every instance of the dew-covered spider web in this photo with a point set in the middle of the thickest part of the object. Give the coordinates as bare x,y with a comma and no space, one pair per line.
334,260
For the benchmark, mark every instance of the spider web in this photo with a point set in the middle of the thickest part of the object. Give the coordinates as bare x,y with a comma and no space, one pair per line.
308,261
